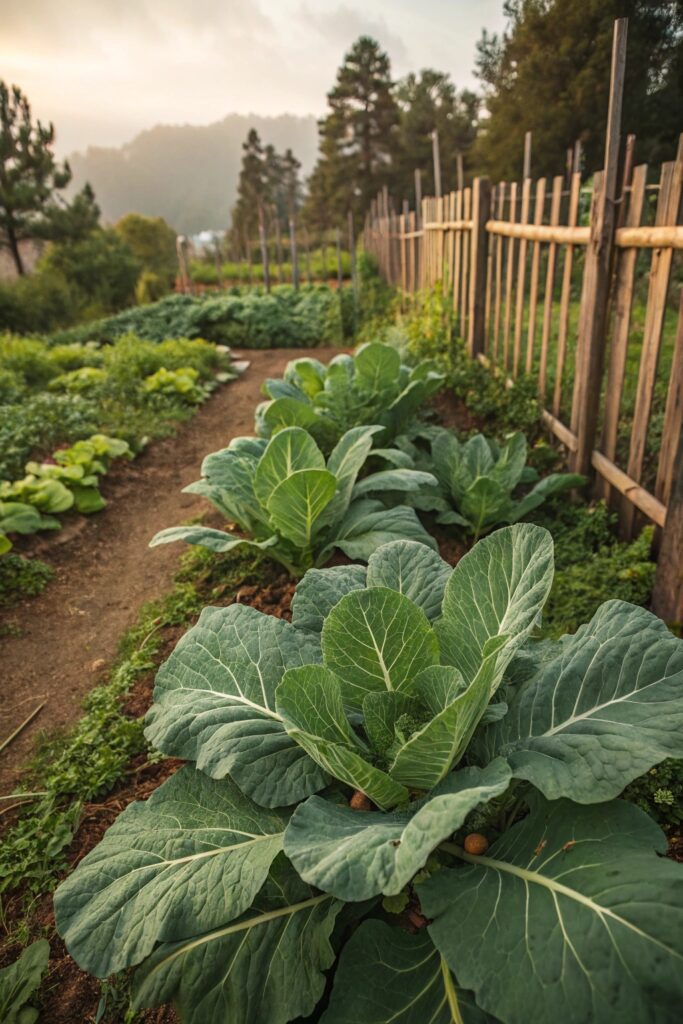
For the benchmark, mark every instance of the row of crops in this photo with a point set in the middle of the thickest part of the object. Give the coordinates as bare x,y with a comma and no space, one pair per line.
402,801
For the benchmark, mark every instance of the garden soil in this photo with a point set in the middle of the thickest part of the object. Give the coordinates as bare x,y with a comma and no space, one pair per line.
55,647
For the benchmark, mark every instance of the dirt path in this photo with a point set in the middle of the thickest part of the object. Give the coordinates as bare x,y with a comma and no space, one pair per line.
104,569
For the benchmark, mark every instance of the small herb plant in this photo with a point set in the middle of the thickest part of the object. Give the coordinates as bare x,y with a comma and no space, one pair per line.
248,888
370,387
479,481
284,496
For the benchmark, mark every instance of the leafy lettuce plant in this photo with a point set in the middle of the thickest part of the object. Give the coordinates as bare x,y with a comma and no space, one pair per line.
19,517
284,497
479,481
248,887
182,383
370,387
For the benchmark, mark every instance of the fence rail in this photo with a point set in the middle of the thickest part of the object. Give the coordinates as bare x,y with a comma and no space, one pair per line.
508,257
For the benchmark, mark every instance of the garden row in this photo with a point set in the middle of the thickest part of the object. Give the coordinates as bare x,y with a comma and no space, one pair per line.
403,803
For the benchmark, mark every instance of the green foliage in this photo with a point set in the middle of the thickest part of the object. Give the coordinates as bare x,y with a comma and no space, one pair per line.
479,481
29,173
659,792
372,387
182,382
286,498
100,268
44,301
579,38
389,680
285,317
153,245
19,981
584,583
22,577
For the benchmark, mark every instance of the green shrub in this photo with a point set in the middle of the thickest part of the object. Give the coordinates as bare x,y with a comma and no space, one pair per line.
100,269
38,424
22,577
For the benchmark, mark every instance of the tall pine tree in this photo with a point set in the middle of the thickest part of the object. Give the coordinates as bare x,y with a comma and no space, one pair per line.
29,173
358,138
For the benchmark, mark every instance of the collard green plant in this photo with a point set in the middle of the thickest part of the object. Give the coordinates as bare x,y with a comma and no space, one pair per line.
248,882
479,481
370,387
19,981
286,498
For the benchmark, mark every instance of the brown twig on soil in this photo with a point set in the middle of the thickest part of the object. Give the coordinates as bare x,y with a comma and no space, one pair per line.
12,736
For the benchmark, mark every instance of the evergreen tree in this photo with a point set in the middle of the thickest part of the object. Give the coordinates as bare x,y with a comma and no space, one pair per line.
430,101
64,222
252,189
549,74
29,173
358,138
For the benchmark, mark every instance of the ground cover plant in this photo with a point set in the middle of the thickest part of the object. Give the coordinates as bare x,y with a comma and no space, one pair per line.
287,499
372,386
479,481
248,318
486,765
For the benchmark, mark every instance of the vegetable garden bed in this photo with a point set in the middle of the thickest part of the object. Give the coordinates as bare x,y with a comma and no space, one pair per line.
397,783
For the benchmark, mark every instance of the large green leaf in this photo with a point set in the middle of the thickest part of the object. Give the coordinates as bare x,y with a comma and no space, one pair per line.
388,975
20,980
412,569
377,366
369,524
377,639
320,590
396,480
603,711
510,463
570,916
289,412
297,502
215,703
207,537
265,967
549,485
345,462
309,701
498,588
483,503
190,858
357,854
290,450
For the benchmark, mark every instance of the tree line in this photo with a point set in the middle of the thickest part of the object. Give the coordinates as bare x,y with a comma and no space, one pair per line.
547,73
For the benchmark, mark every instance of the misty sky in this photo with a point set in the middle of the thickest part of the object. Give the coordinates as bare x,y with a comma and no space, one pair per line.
102,70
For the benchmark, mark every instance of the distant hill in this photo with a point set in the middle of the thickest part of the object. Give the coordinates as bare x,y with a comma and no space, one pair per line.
186,173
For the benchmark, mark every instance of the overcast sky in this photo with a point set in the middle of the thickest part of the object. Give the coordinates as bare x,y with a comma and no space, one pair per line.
102,70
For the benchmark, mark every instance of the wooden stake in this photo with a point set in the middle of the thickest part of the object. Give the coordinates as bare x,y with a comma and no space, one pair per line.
437,164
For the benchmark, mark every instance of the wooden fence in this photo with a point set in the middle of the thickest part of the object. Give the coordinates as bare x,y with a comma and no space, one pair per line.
510,258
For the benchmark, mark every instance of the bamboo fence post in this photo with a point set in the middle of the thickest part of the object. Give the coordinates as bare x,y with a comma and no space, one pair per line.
509,270
549,287
457,266
565,294
616,372
668,204
521,278
535,266
481,209
489,274
667,595
498,243
293,251
526,170
459,170
596,278
437,163
465,311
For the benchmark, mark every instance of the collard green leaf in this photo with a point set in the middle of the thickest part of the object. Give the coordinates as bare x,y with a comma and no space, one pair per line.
215,703
549,485
456,710
604,710
320,590
381,711
309,701
377,366
207,537
387,974
569,916
397,480
20,980
190,858
345,462
369,524
357,854
484,503
289,412
266,966
298,501
498,588
290,450
413,570
377,639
